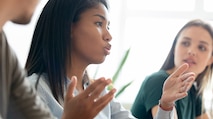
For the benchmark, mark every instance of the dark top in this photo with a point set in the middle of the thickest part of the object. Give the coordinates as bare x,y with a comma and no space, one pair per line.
150,93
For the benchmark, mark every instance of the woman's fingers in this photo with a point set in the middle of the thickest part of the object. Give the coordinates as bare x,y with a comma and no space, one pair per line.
187,77
104,100
94,90
90,101
186,82
180,70
177,84
71,87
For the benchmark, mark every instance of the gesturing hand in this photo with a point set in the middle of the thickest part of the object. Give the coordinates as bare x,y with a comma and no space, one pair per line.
177,85
87,104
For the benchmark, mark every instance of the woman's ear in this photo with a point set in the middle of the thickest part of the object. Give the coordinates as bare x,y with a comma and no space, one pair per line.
73,25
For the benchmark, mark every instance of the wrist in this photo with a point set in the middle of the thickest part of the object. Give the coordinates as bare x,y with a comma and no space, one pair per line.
166,106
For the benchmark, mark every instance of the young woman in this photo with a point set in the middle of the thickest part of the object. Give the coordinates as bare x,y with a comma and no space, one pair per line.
192,45
69,36
18,99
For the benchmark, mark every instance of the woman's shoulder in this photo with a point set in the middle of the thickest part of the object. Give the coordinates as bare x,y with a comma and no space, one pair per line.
43,89
161,74
40,82
34,78
156,77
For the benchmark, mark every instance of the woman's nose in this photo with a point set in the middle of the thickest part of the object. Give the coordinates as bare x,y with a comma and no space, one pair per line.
108,36
191,52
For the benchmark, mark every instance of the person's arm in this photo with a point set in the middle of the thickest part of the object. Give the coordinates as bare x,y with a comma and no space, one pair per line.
162,114
175,87
18,89
29,103
203,116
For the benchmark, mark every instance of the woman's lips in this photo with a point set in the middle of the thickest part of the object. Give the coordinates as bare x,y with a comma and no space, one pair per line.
107,49
190,61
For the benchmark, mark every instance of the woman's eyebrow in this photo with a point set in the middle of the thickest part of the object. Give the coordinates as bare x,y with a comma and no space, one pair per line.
201,41
101,16
186,38
204,42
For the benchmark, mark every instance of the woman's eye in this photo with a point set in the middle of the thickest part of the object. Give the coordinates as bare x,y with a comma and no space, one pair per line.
202,48
99,23
185,43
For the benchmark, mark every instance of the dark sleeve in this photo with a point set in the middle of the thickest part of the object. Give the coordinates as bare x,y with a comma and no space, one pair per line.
148,95
21,92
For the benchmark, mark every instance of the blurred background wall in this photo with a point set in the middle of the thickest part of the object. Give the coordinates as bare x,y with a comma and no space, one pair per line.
148,27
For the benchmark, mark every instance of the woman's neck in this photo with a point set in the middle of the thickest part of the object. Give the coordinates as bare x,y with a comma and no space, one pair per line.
77,68
4,16
1,25
79,73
